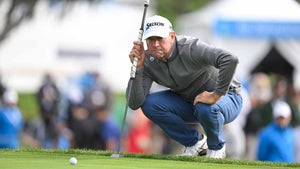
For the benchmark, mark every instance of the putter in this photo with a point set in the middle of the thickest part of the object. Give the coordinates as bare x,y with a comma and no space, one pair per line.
132,76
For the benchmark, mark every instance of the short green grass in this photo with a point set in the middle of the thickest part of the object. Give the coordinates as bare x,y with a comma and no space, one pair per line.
88,159
28,105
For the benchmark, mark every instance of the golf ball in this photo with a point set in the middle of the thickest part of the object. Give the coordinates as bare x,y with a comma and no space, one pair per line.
73,160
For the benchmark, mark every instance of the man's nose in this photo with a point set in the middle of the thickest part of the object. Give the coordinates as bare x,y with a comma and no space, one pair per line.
156,42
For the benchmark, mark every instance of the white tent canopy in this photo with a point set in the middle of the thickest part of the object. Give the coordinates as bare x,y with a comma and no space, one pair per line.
259,9
248,29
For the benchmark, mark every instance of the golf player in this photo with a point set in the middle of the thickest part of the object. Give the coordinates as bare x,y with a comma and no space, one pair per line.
201,87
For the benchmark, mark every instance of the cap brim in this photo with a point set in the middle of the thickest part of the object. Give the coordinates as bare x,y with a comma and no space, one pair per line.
158,34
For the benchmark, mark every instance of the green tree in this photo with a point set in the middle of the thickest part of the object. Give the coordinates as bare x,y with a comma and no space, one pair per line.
15,12
173,8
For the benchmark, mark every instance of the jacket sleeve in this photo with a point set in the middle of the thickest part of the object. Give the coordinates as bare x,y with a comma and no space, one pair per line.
224,61
137,89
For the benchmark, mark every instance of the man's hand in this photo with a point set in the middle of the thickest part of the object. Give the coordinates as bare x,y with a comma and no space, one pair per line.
207,98
138,52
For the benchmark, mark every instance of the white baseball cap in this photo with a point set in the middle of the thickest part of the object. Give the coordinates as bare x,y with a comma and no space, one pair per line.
157,26
281,109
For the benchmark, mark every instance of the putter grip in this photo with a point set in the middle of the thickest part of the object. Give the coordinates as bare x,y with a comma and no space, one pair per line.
135,60
133,68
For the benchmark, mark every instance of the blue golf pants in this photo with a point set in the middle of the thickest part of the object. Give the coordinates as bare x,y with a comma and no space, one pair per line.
171,113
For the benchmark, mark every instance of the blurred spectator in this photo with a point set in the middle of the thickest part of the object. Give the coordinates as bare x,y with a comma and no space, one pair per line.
46,131
84,127
98,95
48,99
89,116
280,92
260,91
297,144
98,100
2,90
276,141
139,132
296,100
37,135
11,121
109,131
87,80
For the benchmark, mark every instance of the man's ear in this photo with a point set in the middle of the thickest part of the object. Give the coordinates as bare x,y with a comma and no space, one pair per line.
172,34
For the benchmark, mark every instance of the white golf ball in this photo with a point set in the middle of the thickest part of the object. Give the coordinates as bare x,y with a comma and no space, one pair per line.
73,160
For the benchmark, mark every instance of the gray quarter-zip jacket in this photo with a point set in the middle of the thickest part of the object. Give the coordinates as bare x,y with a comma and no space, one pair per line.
192,68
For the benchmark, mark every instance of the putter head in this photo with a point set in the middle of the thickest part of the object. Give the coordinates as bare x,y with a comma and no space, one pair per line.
116,156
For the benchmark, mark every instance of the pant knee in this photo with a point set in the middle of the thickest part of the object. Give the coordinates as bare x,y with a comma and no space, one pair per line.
148,106
208,115
202,111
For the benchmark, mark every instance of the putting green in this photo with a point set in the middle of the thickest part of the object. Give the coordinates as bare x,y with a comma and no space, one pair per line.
58,159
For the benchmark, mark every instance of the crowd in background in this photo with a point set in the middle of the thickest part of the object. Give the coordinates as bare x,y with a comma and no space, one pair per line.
78,114
266,137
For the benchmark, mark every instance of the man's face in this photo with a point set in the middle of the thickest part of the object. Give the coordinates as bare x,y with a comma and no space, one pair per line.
159,47
283,121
